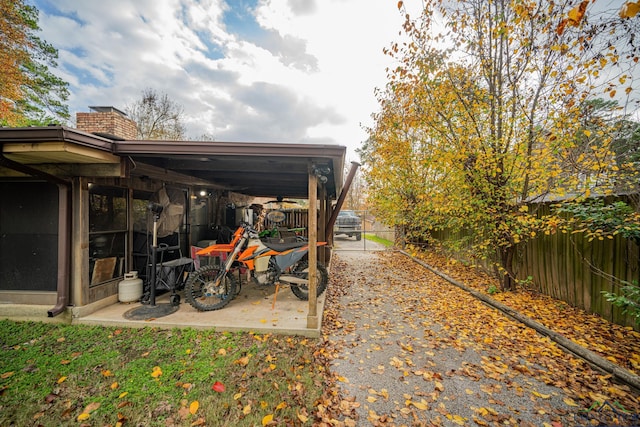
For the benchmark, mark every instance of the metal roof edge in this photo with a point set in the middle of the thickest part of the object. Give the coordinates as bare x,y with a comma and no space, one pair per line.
228,148
54,133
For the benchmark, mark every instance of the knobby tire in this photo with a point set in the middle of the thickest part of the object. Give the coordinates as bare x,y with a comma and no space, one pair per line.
203,278
302,270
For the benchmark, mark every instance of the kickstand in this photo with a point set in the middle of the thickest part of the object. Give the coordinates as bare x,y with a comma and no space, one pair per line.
273,306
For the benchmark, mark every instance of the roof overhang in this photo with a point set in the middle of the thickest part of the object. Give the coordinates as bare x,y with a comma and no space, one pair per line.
253,168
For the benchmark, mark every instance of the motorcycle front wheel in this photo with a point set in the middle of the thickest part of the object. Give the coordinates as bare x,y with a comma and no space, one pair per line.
203,294
301,270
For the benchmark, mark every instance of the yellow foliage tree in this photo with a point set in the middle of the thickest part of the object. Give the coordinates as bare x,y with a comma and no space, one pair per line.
481,118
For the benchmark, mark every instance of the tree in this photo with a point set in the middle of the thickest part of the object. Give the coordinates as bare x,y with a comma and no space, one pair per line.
29,93
157,116
481,118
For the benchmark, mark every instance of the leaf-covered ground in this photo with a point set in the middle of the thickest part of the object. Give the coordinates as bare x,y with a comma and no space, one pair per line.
408,348
618,344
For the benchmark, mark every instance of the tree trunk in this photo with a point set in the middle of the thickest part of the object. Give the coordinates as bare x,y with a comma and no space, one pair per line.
506,276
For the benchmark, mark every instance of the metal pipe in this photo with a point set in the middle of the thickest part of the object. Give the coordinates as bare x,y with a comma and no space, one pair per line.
64,236
343,195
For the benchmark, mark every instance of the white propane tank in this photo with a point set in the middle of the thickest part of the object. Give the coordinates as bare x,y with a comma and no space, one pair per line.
130,289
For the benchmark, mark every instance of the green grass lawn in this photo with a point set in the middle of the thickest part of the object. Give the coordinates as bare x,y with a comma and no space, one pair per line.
54,375
374,238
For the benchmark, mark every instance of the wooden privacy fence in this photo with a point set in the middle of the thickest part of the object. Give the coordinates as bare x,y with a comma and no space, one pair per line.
294,218
573,269
570,268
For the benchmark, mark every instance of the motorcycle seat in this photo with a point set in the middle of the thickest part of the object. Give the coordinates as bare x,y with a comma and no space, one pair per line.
280,247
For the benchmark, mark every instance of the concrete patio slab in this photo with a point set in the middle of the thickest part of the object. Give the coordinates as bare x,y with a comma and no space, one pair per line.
252,310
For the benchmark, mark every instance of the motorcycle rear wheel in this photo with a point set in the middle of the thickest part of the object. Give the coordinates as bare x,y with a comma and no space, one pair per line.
203,295
301,270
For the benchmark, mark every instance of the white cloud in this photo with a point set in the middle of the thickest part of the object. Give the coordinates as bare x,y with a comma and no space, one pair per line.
308,74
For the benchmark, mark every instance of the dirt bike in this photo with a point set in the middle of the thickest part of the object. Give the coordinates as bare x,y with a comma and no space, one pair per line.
270,261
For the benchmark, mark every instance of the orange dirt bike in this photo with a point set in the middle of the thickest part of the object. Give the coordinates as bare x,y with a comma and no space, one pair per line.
270,261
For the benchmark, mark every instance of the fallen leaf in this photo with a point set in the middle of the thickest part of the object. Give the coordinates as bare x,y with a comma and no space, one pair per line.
421,405
193,407
540,395
267,419
218,386
156,372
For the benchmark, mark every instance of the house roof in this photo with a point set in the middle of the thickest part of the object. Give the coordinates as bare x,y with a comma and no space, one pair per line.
252,168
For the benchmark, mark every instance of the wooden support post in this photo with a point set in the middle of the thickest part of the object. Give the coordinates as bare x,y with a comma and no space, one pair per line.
312,316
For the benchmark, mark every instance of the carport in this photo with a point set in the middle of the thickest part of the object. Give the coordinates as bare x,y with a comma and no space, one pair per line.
71,159
304,171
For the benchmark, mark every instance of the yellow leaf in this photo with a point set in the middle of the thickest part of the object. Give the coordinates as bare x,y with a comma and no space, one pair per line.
371,399
303,417
246,410
458,420
6,375
222,352
193,408
267,419
237,396
123,394
83,416
569,401
576,14
540,395
114,385
421,405
61,380
630,10
156,372
281,405
243,361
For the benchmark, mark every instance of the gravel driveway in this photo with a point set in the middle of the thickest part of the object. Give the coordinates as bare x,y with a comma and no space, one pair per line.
407,357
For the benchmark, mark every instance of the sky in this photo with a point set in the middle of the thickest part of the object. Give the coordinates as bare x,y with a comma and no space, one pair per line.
243,70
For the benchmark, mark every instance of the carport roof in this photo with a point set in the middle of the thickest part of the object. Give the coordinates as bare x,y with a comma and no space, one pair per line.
260,169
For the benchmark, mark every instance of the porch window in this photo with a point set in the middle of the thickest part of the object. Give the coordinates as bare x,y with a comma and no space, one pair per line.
108,227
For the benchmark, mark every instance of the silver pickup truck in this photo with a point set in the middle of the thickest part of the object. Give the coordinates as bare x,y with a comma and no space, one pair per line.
348,223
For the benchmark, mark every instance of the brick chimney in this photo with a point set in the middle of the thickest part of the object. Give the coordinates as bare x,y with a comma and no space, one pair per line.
108,122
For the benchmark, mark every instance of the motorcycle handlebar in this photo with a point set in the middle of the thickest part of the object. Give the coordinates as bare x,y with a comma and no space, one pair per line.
249,228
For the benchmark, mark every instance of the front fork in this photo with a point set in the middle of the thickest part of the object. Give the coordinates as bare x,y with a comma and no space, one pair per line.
229,261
